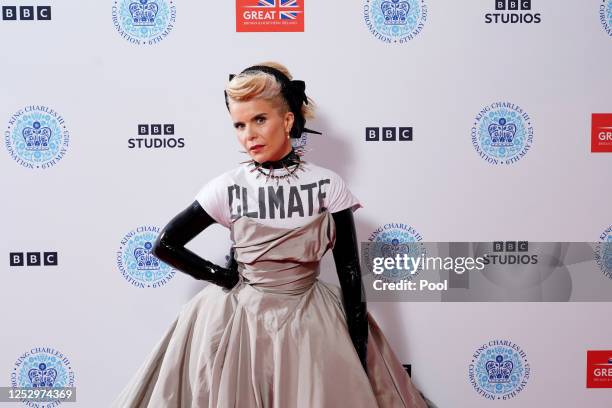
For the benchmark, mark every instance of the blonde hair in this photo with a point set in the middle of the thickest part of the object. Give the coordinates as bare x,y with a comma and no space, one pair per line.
257,84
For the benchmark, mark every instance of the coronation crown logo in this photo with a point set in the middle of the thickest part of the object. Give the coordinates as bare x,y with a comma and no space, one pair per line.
395,21
36,137
502,133
42,367
499,370
138,264
394,239
269,15
144,22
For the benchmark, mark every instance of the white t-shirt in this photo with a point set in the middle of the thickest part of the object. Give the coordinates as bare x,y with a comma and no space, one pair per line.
239,192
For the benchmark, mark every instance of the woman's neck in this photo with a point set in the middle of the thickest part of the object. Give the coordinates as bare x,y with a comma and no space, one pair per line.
287,160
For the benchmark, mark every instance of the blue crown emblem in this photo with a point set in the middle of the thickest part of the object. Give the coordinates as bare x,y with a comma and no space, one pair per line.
37,137
499,370
389,250
395,12
144,259
42,376
144,13
502,133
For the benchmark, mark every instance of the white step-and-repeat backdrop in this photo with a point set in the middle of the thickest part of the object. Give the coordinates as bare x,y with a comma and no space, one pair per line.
477,120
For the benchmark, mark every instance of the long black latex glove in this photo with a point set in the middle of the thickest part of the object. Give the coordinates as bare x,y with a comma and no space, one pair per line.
346,256
170,248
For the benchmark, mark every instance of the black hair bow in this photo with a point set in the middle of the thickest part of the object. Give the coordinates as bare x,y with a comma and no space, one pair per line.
294,92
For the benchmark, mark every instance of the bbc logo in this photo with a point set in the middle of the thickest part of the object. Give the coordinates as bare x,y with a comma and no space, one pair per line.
33,258
512,4
26,13
156,130
389,134
511,246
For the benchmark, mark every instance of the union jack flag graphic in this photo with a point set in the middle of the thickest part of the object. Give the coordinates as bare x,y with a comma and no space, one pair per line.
284,8
270,15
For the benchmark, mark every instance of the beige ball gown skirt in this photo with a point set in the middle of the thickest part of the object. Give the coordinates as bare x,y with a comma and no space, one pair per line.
278,339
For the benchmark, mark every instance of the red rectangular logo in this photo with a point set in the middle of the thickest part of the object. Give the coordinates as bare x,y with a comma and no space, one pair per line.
601,133
599,369
269,16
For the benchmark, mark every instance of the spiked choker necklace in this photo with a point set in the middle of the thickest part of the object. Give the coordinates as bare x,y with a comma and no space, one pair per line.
291,163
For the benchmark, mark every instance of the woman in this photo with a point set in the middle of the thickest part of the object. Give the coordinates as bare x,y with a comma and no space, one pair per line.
268,333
